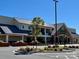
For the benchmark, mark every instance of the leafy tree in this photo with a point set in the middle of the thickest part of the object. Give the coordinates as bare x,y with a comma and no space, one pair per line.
37,23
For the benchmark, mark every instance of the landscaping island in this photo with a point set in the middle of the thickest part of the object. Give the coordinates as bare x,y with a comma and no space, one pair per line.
42,49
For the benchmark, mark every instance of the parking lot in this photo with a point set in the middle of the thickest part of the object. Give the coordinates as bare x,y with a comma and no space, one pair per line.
6,53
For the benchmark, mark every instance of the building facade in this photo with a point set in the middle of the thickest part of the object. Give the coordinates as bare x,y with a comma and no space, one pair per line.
17,29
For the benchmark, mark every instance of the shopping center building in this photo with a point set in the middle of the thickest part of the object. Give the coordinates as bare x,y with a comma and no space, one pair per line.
14,29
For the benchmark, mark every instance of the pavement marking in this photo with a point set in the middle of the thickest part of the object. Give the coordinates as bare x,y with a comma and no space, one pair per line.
75,57
66,57
56,56
53,56
47,56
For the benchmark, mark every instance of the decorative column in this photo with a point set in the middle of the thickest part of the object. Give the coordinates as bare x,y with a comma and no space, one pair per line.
22,38
45,36
7,38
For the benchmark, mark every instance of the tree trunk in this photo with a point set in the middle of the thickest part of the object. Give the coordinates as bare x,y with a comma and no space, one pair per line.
36,41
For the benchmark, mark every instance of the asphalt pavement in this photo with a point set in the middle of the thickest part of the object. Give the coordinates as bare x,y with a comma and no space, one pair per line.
6,53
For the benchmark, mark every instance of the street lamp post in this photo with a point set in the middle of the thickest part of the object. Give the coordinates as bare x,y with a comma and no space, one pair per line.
55,1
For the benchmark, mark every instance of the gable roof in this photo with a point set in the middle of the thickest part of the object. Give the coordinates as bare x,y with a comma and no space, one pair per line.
12,29
24,21
75,35
59,25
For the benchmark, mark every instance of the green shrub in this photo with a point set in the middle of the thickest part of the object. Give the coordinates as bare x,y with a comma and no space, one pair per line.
45,48
60,49
49,46
55,49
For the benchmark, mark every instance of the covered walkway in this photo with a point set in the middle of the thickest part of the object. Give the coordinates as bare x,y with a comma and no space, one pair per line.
14,37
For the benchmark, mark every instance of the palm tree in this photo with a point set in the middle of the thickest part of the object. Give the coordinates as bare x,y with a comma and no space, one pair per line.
37,23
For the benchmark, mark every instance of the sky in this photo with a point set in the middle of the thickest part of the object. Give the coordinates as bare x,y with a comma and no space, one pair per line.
68,10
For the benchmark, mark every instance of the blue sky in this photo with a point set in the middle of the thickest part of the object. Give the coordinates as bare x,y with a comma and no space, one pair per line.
68,10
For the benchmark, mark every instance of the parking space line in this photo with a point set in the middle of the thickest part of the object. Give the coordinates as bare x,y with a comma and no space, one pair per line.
56,56
66,57
75,57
